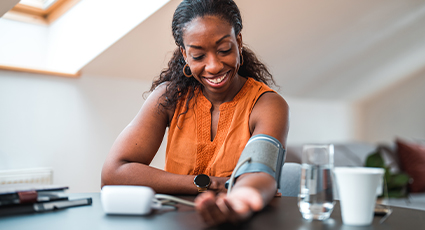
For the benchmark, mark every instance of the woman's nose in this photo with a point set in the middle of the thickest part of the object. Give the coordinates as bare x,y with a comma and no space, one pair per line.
213,65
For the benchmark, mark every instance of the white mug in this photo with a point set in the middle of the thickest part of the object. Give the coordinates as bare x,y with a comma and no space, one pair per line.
357,188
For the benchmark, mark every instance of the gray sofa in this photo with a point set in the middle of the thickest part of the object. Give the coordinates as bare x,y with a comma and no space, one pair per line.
346,154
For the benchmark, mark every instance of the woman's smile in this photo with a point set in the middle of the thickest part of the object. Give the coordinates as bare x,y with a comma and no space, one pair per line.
217,80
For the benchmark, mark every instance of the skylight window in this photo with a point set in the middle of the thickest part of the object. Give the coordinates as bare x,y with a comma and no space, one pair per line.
39,11
40,4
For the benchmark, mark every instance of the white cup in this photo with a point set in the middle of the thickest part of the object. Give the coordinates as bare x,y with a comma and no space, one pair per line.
357,192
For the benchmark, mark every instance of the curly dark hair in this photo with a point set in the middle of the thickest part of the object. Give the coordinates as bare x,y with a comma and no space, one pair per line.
180,86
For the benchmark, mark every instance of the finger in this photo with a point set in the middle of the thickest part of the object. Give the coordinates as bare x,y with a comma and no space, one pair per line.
202,196
220,201
201,206
233,216
204,212
207,207
238,211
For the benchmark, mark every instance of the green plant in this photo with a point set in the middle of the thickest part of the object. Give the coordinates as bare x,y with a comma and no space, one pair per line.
396,182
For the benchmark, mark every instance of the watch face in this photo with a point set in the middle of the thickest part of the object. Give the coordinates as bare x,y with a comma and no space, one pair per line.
202,180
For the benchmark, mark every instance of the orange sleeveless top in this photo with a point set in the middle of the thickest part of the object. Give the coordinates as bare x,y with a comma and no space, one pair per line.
190,150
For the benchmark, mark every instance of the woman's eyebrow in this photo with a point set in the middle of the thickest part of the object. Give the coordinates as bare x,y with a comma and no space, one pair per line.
217,42
195,47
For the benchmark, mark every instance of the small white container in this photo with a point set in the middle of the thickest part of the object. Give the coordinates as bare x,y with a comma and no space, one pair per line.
127,199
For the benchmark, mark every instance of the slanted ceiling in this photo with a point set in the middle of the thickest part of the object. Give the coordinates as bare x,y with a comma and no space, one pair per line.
6,5
328,49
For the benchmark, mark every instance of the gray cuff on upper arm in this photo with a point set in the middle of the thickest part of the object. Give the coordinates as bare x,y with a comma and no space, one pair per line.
267,155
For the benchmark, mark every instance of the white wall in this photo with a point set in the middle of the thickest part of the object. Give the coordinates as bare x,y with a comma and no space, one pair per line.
397,112
66,124
321,121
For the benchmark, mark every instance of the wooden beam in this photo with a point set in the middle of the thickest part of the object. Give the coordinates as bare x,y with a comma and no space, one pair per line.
36,15
39,71
29,10
59,9
24,17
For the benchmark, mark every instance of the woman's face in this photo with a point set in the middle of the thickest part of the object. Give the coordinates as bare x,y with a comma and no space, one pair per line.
213,52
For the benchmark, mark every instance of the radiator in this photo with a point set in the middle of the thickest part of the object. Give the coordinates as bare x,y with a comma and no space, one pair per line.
30,175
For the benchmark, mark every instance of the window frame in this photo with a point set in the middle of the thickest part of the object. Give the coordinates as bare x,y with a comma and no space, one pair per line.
31,14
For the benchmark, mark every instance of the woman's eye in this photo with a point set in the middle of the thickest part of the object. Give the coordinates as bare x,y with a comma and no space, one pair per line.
225,51
197,57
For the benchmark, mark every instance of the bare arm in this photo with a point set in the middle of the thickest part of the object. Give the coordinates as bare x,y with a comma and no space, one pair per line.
252,191
132,152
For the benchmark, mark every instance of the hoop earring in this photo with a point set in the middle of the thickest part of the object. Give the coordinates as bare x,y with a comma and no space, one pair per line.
241,59
184,71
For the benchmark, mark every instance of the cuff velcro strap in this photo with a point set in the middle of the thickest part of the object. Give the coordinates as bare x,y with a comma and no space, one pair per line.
254,167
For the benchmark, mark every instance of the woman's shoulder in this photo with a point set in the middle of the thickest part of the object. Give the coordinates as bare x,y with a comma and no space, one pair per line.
272,98
158,94
269,100
259,89
259,85
158,98
270,116
162,87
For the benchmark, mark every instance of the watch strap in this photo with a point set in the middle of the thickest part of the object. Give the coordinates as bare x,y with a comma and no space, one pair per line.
202,189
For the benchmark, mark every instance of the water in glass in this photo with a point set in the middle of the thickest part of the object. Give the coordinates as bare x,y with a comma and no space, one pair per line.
316,197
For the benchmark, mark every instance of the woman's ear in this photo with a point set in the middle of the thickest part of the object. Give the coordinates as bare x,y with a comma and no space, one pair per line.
240,43
183,51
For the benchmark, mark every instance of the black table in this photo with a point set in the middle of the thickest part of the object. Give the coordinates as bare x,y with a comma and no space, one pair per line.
281,213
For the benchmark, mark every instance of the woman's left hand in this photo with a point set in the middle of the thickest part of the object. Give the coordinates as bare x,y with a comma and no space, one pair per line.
235,208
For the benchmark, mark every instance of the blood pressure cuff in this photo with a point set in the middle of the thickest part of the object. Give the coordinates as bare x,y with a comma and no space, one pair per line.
267,155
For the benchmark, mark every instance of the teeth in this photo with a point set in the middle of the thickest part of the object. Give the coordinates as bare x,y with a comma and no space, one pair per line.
217,80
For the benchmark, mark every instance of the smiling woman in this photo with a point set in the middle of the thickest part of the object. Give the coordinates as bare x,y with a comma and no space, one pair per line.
212,99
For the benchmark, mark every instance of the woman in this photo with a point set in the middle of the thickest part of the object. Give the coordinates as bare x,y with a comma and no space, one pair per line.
213,97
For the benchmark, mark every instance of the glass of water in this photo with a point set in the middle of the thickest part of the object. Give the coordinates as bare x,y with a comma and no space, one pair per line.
316,197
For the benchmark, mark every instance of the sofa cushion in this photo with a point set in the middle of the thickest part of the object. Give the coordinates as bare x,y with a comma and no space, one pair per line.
412,161
346,154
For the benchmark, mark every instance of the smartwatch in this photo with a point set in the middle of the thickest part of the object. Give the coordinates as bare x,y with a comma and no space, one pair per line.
202,182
